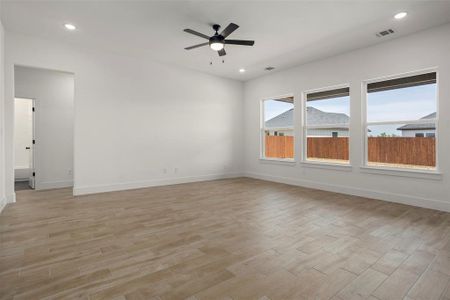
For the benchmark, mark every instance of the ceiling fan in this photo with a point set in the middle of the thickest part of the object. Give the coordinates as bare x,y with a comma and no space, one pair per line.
218,41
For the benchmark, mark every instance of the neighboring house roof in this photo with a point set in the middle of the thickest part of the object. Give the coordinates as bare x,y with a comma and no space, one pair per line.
314,116
421,126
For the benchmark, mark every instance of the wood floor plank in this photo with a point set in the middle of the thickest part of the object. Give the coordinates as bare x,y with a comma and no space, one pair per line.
226,239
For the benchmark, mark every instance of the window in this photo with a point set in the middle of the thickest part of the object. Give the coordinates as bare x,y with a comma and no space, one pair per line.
326,126
401,122
277,129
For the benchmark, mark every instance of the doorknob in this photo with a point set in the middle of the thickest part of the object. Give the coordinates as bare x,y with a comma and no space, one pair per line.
27,148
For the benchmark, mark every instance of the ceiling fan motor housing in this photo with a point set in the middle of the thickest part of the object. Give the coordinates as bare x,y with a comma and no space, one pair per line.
216,39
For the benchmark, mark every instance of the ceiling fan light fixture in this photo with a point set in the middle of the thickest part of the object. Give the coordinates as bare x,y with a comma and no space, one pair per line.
216,46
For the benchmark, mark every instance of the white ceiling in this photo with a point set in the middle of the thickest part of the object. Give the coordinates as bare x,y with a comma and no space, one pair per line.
287,33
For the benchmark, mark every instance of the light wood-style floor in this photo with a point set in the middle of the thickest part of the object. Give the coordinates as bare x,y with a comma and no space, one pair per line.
226,239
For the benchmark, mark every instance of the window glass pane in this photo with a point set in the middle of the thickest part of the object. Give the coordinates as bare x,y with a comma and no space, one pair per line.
328,111
275,108
279,128
332,148
328,144
409,103
402,145
279,144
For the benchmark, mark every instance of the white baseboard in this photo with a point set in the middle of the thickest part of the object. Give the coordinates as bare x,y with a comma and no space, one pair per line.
85,190
22,174
2,204
11,198
53,184
385,196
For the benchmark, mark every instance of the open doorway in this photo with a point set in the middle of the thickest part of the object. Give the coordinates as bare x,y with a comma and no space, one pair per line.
44,125
23,144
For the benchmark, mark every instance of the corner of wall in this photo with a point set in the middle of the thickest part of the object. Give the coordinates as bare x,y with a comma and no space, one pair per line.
2,118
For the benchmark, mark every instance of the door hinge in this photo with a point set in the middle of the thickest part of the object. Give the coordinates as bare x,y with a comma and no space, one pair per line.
34,142
33,109
34,174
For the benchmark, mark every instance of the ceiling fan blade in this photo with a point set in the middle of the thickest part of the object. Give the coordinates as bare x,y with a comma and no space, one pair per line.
239,42
229,30
222,52
196,33
196,46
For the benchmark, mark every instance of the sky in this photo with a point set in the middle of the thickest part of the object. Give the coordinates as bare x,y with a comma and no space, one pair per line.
398,105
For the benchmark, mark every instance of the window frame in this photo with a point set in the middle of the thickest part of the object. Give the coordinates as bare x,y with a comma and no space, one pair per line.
304,128
365,125
262,130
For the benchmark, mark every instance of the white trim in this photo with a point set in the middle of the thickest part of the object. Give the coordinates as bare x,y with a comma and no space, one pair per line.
329,126
121,186
419,121
385,196
53,184
278,128
327,165
262,124
3,203
402,172
281,161
11,198
304,126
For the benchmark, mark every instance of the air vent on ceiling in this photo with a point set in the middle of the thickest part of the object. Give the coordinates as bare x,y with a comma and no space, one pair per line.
385,32
269,68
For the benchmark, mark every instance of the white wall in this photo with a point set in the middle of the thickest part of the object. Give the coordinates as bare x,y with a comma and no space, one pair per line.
23,138
3,199
137,122
423,50
53,93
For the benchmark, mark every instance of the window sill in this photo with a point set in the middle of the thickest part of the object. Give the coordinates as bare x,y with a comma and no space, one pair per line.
280,161
422,174
329,166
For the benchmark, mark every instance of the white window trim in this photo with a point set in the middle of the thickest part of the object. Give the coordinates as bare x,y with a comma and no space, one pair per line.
398,171
304,129
262,146
405,172
327,165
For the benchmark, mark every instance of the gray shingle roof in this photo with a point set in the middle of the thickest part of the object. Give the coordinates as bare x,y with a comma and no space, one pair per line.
422,126
314,116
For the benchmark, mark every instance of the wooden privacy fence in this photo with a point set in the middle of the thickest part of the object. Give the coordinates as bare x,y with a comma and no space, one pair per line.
420,151
279,146
328,147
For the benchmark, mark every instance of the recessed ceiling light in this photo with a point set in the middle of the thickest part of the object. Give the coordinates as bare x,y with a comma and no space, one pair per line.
69,26
242,70
400,15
